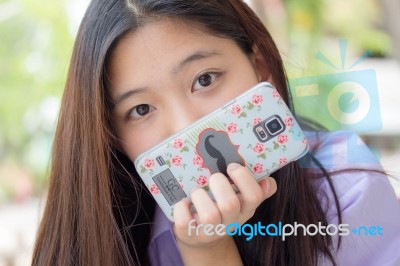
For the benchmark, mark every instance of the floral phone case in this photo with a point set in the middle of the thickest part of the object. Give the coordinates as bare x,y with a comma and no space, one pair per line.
255,129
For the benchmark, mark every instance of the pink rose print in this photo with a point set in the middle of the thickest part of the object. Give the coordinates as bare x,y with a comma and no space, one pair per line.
148,163
282,161
257,99
178,144
259,148
197,160
282,139
154,189
289,121
256,121
236,109
258,168
176,160
202,180
275,93
305,141
232,128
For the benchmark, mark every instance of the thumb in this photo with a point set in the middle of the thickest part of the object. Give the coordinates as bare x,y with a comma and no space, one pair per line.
268,185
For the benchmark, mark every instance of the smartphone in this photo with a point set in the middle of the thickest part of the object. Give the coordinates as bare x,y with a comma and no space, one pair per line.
256,130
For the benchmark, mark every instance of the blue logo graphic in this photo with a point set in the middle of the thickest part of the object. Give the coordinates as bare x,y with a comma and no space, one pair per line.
343,100
368,231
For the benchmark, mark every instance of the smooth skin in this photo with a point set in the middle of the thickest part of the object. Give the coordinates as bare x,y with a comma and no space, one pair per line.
165,76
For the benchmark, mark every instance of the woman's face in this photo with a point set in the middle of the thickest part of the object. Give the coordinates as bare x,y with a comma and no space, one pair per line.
167,74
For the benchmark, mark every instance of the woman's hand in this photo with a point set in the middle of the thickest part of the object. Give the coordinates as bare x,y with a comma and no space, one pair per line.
229,207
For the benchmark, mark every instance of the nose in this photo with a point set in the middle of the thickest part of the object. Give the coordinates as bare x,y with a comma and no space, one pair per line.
182,113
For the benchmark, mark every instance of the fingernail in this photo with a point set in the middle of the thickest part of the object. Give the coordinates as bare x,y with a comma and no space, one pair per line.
233,166
193,189
267,183
187,201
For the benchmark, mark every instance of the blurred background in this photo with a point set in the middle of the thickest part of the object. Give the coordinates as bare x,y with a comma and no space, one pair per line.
316,37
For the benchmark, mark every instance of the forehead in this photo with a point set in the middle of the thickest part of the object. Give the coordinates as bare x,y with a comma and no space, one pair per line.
162,38
159,45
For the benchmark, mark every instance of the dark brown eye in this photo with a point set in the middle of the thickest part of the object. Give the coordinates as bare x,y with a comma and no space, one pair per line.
204,81
140,110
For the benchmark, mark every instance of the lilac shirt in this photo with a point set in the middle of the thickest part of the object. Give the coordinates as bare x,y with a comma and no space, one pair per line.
366,199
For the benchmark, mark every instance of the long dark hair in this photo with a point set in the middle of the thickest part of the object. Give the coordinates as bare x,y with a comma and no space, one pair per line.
98,211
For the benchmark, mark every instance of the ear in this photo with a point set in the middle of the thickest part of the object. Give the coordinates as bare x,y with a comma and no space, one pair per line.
260,65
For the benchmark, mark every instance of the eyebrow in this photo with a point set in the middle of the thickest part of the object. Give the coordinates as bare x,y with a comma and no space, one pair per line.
194,57
122,97
191,58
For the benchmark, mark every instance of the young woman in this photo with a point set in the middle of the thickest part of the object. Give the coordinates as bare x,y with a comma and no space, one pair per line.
141,71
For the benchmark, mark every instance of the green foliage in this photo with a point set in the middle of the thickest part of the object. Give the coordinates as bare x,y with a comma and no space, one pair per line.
35,48
316,25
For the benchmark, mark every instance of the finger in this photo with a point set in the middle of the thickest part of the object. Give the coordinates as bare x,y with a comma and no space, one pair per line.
182,215
268,186
226,199
251,193
206,209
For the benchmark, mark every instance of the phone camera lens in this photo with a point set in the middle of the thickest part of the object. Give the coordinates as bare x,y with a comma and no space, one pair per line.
261,133
273,126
